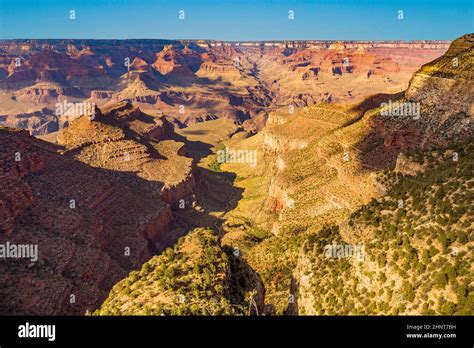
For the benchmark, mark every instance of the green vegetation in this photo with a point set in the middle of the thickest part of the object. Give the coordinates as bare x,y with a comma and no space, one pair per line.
196,277
421,251
461,67
215,165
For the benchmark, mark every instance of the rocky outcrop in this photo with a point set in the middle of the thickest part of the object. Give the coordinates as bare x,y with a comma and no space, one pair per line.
91,227
407,166
16,196
123,138
275,143
178,62
241,81
212,281
45,93
278,199
98,96
217,67
39,122
436,109
158,230
304,99
49,65
173,193
307,73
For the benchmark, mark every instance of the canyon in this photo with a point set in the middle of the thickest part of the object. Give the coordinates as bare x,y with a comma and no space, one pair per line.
193,81
130,205
93,221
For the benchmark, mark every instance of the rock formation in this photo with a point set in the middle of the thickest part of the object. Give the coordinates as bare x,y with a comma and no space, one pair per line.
196,277
91,227
187,80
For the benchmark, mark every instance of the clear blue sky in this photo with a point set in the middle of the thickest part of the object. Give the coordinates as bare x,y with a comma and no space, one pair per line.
237,19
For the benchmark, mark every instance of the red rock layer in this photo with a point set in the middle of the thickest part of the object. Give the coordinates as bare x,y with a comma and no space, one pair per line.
92,226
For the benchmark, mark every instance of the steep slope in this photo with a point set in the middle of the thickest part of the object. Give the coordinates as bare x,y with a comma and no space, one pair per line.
90,226
196,277
436,110
340,72
413,247
310,175
123,138
415,238
321,164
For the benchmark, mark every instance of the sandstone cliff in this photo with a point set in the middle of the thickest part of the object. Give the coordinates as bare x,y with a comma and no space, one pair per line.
123,138
443,90
406,251
91,227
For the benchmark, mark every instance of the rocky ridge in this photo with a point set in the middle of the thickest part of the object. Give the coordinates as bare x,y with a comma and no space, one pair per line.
91,227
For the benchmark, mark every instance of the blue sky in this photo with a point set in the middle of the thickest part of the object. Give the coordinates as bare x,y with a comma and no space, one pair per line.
238,19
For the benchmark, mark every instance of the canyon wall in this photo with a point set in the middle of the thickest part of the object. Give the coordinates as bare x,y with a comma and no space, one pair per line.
192,81
89,226
97,206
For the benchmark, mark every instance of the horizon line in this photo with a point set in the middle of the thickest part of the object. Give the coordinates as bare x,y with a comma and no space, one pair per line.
217,40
